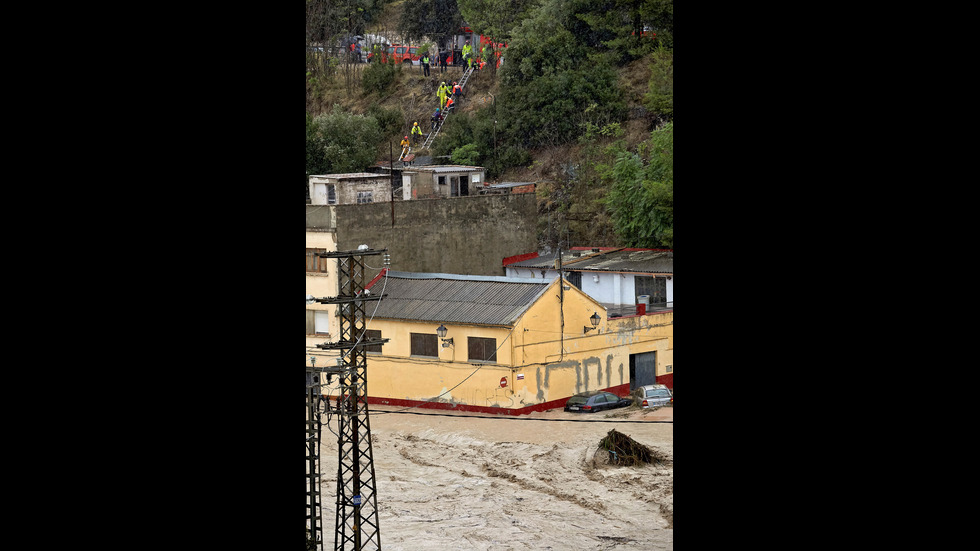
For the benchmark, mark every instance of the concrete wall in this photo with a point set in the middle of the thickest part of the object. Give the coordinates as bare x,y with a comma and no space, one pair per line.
459,235
320,218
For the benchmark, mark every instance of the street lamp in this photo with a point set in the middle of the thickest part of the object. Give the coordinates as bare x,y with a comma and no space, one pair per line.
441,331
594,318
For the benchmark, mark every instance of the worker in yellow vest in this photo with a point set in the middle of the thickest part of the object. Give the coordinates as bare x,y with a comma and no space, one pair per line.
406,146
442,93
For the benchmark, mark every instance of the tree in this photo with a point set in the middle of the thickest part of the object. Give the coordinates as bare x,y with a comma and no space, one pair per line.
659,98
340,142
429,18
551,78
496,18
466,155
641,197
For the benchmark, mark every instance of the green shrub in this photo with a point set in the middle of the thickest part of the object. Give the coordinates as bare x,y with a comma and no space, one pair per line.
339,142
379,77
659,98
466,155
389,120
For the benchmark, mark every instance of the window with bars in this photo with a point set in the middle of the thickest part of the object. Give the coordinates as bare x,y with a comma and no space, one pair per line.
424,345
481,349
315,263
365,197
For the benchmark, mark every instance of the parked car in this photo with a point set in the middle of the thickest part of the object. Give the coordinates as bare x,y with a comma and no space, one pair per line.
653,395
596,401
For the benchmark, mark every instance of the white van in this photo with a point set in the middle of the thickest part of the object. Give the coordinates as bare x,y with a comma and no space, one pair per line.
653,396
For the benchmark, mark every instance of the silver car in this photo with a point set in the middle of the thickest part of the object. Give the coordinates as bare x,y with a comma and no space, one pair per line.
653,396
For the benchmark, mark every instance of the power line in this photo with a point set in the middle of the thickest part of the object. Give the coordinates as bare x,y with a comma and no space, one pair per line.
406,412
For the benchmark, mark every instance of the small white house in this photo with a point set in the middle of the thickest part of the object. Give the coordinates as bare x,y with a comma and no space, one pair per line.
618,277
349,189
436,181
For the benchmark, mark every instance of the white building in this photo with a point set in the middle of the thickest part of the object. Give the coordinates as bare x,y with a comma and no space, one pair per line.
619,278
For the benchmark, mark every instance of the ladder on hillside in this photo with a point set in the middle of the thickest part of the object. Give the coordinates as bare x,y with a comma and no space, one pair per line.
445,116
466,76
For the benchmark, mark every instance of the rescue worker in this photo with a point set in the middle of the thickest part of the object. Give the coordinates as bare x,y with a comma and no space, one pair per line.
467,51
457,91
425,65
416,132
442,92
406,145
450,105
436,119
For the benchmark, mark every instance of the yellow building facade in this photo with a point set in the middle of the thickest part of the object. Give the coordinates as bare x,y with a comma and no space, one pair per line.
510,346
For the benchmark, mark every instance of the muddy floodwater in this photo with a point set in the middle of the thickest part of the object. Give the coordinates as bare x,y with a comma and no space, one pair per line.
481,482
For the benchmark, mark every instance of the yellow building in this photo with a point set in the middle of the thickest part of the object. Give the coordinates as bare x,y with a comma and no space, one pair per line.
322,323
503,345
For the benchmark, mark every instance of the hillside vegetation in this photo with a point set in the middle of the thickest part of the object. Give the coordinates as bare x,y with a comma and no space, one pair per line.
582,105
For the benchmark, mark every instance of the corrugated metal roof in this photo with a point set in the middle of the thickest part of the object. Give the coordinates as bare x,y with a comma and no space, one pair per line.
445,168
320,178
629,261
453,298
621,260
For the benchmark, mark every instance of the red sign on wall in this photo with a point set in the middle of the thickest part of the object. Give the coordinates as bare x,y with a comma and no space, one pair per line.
503,382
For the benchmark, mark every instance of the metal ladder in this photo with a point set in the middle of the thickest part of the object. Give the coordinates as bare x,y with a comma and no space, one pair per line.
445,117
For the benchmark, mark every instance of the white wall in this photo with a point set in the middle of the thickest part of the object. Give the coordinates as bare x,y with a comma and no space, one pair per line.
612,288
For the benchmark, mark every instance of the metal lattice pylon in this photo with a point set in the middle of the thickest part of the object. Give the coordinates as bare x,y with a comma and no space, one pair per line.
357,507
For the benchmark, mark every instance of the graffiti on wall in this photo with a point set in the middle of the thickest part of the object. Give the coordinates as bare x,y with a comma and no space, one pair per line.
588,374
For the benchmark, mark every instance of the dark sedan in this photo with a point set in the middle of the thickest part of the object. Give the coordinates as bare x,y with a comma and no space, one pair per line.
596,401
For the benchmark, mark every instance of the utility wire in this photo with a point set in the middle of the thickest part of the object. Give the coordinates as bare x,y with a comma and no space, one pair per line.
406,412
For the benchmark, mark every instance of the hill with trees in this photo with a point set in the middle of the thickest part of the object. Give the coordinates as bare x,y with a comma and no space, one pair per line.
582,104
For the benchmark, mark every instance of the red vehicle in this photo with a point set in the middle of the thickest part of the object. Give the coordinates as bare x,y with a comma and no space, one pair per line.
399,53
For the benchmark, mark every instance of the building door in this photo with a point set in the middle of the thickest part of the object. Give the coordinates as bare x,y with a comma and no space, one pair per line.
643,369
575,278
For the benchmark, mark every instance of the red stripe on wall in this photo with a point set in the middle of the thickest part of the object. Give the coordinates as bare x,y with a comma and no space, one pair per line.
620,390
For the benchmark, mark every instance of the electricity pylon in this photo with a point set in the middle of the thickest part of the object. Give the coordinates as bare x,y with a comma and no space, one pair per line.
357,506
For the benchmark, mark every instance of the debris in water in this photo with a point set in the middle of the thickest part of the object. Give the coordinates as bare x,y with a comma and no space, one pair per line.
625,451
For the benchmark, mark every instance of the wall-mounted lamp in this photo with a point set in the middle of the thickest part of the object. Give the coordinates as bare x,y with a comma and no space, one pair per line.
441,331
594,318
595,278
